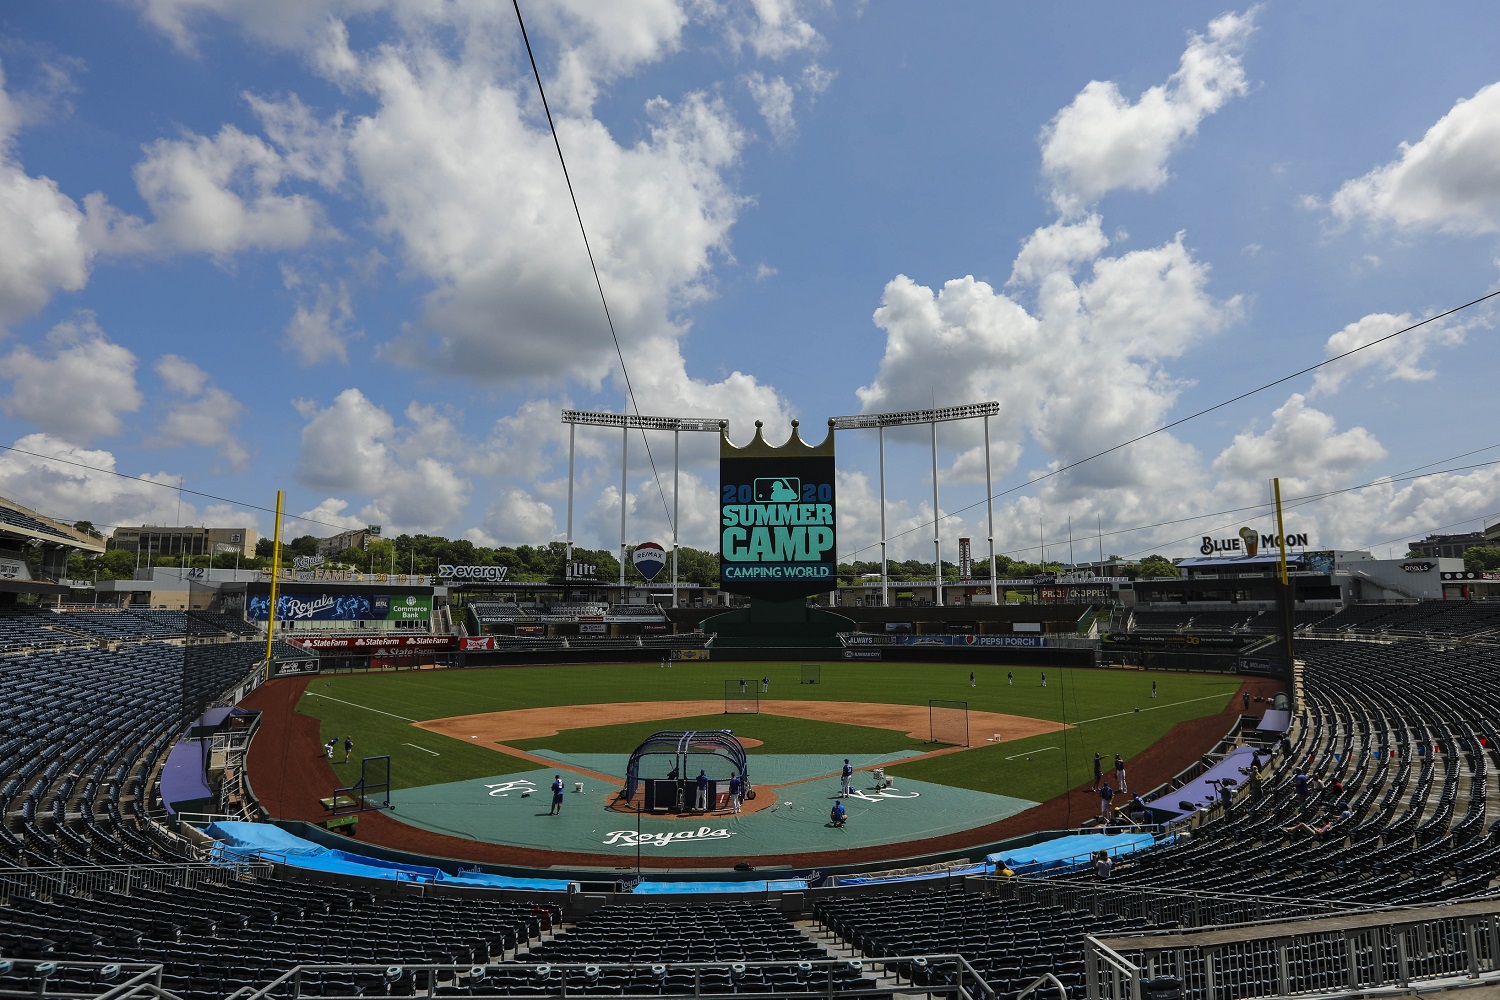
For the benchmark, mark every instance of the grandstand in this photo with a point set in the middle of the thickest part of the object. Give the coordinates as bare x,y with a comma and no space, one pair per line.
1399,727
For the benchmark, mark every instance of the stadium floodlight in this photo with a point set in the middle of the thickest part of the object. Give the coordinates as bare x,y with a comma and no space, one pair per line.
628,422
636,421
900,418
933,416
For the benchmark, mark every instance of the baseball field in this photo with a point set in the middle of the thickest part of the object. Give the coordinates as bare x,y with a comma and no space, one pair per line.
1028,741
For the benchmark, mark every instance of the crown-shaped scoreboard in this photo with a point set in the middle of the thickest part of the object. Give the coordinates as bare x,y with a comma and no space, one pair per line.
778,517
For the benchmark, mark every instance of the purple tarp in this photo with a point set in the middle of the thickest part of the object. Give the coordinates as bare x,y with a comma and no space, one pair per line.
1199,793
182,778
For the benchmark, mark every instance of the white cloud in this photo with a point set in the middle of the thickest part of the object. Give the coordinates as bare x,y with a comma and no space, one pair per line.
1301,446
603,41
81,388
355,446
1101,142
221,195
1449,180
202,413
1078,374
450,159
45,240
1400,358
774,97
516,518
84,486
775,30
327,518
1058,247
322,326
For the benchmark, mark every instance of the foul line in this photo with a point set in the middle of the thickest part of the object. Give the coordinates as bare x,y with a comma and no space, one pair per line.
433,752
1037,750
367,708
1153,708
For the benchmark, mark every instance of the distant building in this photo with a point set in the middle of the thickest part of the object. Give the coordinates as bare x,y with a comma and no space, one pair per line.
152,540
359,539
1447,546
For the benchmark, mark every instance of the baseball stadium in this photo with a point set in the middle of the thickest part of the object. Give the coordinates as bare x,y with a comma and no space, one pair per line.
457,785
1262,774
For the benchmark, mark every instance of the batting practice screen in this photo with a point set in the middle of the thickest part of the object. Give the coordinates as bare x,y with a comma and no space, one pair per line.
742,697
949,722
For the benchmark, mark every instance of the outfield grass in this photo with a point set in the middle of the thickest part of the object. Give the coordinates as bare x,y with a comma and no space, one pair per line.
377,709
778,733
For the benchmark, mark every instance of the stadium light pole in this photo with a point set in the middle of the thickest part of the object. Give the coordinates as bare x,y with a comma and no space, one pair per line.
880,421
989,507
628,422
937,524
885,597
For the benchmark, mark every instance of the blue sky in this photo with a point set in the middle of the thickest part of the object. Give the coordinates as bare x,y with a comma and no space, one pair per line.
325,246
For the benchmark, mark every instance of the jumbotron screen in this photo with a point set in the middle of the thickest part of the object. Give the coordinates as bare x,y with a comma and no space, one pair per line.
777,520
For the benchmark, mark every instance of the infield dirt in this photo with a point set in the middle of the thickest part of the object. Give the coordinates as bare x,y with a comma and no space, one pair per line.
913,720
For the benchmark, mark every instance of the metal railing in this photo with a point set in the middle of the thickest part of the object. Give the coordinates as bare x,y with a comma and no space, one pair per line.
46,882
1330,956
1161,906
65,978
949,977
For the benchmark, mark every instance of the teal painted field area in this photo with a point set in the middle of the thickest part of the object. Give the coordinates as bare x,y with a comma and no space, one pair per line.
493,809
1109,712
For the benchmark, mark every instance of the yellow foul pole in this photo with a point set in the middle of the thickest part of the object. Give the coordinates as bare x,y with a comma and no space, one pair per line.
275,578
1280,531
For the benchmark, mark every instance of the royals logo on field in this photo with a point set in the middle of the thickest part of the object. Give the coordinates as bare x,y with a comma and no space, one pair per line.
649,559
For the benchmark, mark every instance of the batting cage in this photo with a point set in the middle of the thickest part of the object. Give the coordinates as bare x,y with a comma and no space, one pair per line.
812,673
741,697
663,771
948,722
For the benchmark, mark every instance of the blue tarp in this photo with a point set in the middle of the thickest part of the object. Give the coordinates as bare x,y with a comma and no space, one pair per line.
773,885
240,841
1062,853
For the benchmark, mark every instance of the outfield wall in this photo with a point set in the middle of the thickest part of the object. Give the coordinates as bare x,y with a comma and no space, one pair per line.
1000,655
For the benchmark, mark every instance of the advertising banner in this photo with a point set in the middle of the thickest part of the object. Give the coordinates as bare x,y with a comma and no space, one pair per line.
476,643
1031,641
335,605
376,642
777,518
1073,593
649,559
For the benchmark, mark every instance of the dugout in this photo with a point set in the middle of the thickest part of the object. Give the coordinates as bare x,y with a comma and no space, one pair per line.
663,770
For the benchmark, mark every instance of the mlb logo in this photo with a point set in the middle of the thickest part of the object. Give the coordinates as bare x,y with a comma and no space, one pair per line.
779,489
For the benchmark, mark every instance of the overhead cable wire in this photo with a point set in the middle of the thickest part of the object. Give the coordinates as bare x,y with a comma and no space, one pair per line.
598,283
